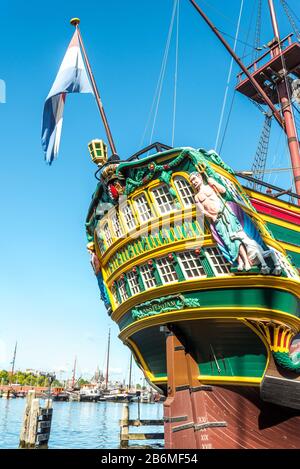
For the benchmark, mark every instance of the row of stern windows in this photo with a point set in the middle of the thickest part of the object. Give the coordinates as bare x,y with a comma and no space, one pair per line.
187,265
151,204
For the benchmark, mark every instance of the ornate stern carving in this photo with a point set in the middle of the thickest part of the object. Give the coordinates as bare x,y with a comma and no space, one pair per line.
279,337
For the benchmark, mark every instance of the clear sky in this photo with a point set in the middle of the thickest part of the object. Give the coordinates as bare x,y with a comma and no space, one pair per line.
49,298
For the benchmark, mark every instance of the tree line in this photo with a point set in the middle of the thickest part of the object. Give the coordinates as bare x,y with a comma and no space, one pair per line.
25,378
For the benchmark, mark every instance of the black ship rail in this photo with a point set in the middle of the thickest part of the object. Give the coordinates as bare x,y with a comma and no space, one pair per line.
279,191
159,147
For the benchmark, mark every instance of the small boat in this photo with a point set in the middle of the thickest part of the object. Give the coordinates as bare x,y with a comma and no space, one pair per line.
59,394
119,397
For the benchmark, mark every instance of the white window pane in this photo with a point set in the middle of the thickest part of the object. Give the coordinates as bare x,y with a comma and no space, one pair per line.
107,234
123,290
185,191
133,283
217,261
166,269
116,226
163,199
147,276
143,208
129,217
191,265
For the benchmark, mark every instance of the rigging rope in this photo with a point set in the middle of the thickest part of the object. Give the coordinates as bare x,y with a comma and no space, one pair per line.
175,75
290,16
258,48
229,76
165,60
260,160
157,93
227,122
268,171
249,28
257,32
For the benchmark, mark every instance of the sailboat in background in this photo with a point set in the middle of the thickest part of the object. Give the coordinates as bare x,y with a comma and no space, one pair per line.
11,393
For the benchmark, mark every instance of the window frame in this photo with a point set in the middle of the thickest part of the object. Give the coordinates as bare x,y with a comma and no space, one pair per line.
160,272
183,269
122,207
167,194
133,276
123,294
179,177
209,258
142,273
137,210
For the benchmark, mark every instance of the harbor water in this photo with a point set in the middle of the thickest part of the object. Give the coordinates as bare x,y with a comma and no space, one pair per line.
83,425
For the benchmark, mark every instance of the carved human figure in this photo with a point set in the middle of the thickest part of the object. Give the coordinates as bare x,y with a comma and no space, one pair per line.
257,255
209,200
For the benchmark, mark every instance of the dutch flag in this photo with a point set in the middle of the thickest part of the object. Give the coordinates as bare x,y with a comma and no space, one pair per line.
71,78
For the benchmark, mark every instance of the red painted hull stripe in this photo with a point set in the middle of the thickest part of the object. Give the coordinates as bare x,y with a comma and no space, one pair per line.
276,212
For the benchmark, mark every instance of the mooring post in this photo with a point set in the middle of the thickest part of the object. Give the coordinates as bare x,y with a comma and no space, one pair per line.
35,431
25,426
44,425
33,420
124,426
139,408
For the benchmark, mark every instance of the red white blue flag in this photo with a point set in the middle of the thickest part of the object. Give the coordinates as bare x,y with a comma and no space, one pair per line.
71,78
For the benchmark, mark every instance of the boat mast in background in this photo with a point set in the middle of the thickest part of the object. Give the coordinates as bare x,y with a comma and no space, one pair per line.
12,368
74,373
75,22
13,363
107,360
255,85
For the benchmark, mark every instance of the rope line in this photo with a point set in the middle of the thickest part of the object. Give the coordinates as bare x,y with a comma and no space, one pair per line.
175,75
163,70
229,76
157,92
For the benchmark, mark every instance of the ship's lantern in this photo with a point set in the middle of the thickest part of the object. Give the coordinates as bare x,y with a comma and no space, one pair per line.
98,152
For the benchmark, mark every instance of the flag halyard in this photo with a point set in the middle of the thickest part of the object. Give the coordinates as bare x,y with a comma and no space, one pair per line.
71,78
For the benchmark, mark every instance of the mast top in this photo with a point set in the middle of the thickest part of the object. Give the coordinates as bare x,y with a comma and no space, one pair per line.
75,21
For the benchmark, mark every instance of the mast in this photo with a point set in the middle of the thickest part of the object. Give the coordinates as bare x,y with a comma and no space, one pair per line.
286,107
75,22
74,373
107,361
13,363
274,20
12,368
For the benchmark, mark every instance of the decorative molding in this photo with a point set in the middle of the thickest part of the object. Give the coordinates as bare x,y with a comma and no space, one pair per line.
279,337
163,305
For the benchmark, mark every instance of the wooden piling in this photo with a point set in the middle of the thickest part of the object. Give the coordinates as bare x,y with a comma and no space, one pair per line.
25,426
126,422
35,431
124,426
33,419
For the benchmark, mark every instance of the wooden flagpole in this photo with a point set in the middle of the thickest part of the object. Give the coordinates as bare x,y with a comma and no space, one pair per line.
75,22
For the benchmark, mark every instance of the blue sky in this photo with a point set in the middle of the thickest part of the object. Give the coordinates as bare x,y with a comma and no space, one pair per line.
49,299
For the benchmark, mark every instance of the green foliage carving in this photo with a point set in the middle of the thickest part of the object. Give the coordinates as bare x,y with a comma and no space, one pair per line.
285,360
